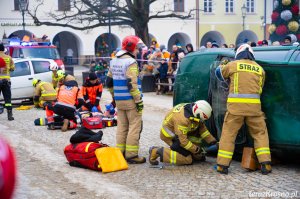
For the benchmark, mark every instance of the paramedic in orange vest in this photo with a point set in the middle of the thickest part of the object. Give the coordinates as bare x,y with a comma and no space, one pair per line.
243,106
7,65
125,86
68,98
91,92
43,92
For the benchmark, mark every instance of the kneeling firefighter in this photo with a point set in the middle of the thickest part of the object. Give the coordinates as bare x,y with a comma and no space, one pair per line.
243,106
68,99
183,130
63,77
43,92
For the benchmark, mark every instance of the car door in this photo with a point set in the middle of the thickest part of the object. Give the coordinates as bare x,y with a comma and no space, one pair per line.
41,69
21,80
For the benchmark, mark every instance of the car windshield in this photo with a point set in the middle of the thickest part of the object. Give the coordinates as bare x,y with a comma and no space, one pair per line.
47,53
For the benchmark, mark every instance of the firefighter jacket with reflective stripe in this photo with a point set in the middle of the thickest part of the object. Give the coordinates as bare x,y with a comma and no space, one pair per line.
10,66
45,91
190,131
126,83
68,96
246,83
92,92
66,79
54,80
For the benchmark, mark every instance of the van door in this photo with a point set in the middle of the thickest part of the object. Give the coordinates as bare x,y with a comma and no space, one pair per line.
21,80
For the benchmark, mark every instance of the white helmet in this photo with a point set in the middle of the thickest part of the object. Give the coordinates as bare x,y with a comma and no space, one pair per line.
242,48
202,110
53,66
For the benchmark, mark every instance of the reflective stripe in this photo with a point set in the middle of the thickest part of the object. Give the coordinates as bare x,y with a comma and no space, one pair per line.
121,146
42,121
8,104
236,83
4,77
120,87
243,100
188,146
173,155
194,139
262,150
225,154
65,104
183,129
98,98
254,96
87,147
88,101
205,134
167,119
168,133
48,94
132,148
134,93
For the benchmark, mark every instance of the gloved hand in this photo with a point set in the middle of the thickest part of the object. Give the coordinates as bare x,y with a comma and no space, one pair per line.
139,107
88,106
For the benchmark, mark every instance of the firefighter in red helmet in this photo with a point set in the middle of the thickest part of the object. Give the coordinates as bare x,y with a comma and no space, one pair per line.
125,86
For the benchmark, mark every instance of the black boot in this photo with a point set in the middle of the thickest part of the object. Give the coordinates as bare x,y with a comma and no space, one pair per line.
266,168
222,169
10,115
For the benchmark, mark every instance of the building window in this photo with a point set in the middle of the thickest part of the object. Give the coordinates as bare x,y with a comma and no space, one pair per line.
179,5
64,5
229,6
17,7
208,5
250,6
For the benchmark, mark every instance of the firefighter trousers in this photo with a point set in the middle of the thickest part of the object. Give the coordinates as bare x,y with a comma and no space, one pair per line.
5,89
257,129
173,157
129,129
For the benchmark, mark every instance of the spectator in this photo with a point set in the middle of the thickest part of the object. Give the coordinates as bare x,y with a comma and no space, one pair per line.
154,43
259,43
208,44
166,54
231,46
215,45
224,46
264,43
92,66
189,48
69,56
287,40
253,44
276,43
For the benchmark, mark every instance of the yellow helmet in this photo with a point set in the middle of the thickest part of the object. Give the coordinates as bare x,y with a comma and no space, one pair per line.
35,81
60,74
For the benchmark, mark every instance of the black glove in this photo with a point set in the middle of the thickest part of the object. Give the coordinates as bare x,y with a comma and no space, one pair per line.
88,106
176,147
139,107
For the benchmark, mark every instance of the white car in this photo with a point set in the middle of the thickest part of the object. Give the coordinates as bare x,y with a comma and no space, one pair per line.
25,71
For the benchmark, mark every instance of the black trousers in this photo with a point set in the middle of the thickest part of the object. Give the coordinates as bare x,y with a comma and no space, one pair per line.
5,88
66,112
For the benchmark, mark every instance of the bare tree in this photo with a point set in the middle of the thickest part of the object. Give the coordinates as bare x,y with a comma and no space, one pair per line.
89,14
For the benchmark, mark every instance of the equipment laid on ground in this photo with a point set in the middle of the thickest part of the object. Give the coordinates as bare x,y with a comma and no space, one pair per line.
94,122
83,155
249,159
111,159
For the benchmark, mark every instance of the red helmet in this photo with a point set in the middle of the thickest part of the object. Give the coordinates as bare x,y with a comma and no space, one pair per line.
2,63
7,170
129,43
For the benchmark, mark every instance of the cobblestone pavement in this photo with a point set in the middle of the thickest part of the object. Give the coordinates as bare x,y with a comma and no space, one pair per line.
44,173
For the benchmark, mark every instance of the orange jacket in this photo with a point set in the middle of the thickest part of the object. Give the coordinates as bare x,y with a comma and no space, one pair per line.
69,95
92,92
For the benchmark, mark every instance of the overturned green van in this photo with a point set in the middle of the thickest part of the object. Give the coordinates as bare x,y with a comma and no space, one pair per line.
280,99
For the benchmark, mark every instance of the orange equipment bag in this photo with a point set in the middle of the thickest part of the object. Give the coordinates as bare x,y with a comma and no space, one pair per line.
111,159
